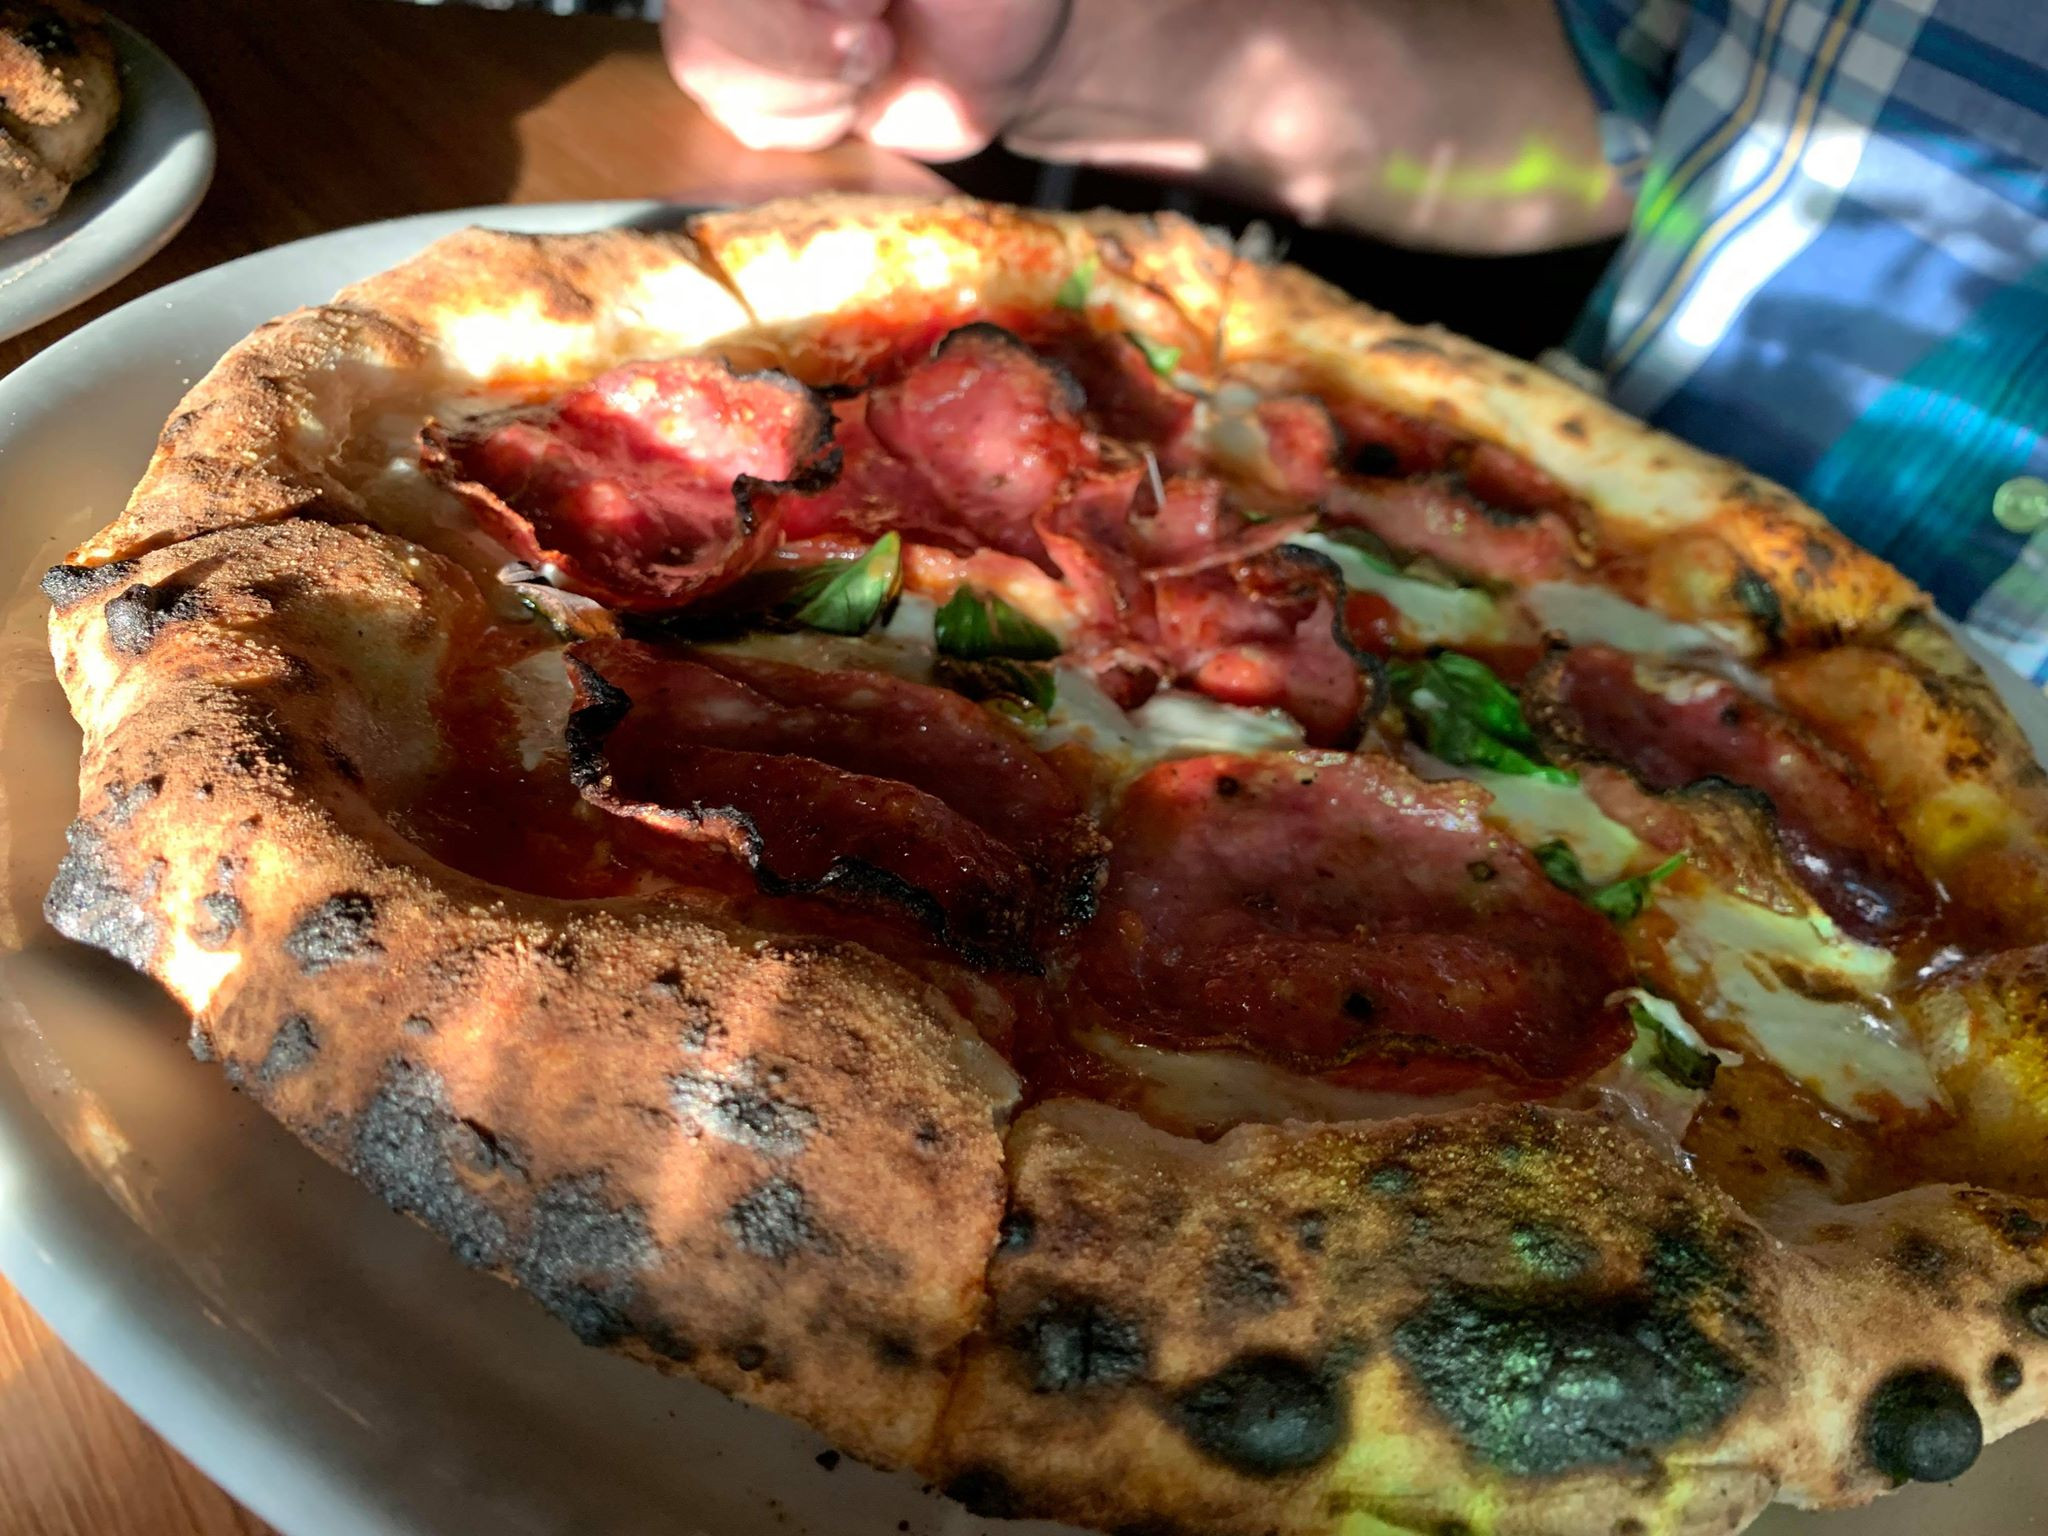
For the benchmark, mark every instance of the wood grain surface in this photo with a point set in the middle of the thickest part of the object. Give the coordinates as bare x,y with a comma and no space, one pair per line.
331,113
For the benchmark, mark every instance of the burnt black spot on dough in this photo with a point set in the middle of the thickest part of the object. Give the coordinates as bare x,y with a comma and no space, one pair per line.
292,1049
1391,1179
1804,1163
1072,1341
475,1146
1759,599
90,900
773,1220
1925,1262
583,1255
1243,1279
2032,1306
1573,427
1263,1415
124,799
1538,1386
221,916
2004,1375
1551,1252
135,615
829,1460
668,1344
750,1357
335,931
66,586
402,1152
986,1492
1408,346
1310,1230
744,1104
1919,1426
2020,1227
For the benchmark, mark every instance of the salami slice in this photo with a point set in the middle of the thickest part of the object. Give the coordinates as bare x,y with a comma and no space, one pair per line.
1672,726
994,428
1269,631
642,488
1440,516
858,786
1344,918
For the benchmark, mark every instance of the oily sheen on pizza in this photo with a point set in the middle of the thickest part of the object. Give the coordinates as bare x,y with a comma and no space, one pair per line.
1039,842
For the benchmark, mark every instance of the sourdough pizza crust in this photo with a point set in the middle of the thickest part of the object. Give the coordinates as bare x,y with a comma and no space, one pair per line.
791,1168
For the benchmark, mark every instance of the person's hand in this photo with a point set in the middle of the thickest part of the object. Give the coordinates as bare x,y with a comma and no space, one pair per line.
937,79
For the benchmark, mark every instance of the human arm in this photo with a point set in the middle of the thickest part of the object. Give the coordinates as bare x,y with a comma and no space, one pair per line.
1461,124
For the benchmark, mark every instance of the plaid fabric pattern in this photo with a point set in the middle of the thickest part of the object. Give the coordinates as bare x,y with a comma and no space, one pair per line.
1837,270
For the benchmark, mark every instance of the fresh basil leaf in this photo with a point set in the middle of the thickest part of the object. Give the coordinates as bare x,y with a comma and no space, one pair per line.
1073,292
852,597
1619,901
1681,1061
1625,899
1162,360
972,625
1557,860
1022,691
1469,717
1474,691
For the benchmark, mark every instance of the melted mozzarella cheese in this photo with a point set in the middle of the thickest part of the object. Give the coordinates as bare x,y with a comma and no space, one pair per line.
1200,1092
1433,615
1179,724
1534,811
1589,615
1810,998
539,692
1170,724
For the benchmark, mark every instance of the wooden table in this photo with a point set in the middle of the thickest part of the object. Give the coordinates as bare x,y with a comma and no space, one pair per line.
331,113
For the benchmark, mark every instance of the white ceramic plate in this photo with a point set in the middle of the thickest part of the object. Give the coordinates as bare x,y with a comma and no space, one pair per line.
157,164
325,1360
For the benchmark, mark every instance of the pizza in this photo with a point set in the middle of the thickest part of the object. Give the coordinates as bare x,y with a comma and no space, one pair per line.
60,96
1041,843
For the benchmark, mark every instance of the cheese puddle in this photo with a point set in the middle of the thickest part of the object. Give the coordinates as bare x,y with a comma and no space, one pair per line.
1756,970
1434,615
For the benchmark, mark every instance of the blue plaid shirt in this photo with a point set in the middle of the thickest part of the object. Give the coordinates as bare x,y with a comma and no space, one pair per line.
1837,270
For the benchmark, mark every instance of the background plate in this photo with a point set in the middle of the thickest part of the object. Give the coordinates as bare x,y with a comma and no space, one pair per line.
323,1359
157,164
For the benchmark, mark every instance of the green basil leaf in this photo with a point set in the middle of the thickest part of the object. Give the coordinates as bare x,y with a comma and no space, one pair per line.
1073,292
1562,865
1469,717
1619,901
1684,1063
853,595
1625,899
972,625
1021,690
1161,359
1471,688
